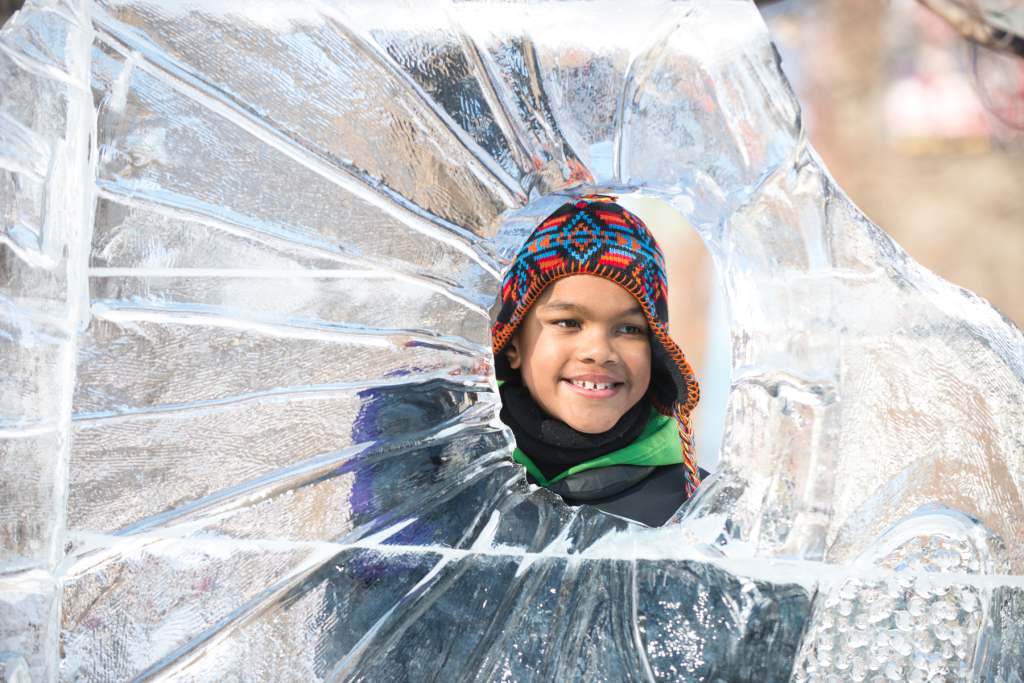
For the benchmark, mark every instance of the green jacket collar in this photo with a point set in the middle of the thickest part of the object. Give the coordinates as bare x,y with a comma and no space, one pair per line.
657,445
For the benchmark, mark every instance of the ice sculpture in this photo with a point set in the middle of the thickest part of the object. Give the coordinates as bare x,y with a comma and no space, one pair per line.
247,422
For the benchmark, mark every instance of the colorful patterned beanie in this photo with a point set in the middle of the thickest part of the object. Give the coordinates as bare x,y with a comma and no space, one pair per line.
593,235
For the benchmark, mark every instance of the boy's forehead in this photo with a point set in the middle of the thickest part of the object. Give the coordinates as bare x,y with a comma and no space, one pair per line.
588,293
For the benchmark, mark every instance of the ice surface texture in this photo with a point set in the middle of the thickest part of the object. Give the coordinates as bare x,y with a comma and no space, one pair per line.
247,417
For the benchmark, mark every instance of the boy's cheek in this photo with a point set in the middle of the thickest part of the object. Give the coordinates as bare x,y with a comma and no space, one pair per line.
548,366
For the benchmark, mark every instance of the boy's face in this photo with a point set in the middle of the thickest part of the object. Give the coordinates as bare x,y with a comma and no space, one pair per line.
584,352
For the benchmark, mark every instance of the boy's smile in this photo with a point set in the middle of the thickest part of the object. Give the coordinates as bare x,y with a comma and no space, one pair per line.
584,352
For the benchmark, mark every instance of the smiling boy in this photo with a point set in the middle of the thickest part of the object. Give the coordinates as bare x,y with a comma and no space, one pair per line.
596,393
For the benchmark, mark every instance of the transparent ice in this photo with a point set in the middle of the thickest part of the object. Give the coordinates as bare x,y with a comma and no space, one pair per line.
247,411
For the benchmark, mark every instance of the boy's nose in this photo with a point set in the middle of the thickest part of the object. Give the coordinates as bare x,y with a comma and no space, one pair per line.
596,347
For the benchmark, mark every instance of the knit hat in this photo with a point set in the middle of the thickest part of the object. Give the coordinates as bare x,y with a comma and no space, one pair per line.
592,235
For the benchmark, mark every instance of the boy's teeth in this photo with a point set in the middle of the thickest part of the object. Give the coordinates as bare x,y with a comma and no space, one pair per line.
591,385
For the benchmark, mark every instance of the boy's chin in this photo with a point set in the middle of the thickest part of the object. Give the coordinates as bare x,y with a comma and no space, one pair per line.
592,424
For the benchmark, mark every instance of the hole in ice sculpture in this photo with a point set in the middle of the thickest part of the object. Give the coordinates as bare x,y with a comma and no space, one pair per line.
697,325
697,319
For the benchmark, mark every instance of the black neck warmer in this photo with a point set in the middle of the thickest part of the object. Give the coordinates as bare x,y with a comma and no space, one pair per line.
553,445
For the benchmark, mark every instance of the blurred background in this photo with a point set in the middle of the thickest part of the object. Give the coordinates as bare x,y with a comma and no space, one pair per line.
921,127
7,8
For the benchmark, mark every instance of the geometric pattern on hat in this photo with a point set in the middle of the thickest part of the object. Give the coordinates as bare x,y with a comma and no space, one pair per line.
592,235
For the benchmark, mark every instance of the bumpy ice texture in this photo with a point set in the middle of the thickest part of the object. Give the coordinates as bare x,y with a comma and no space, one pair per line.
247,416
